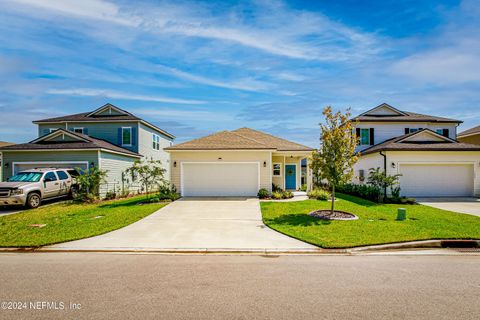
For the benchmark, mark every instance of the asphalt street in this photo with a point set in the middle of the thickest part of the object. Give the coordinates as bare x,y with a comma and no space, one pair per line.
150,286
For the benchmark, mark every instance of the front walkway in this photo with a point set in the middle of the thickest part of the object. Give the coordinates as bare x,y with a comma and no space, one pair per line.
462,205
195,224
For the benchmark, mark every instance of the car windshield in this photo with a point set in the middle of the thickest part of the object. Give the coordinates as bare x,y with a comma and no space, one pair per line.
26,177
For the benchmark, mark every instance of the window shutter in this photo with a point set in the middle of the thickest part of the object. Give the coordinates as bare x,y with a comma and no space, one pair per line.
134,136
372,136
446,132
119,136
357,133
407,130
85,131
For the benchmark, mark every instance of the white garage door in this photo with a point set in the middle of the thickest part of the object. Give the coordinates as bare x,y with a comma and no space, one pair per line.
22,166
436,180
220,179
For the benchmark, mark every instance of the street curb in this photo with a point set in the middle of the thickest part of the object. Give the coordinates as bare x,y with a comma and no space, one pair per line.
425,244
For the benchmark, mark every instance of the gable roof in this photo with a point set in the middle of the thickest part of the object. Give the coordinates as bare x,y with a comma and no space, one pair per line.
407,143
240,139
401,116
96,116
79,142
384,105
469,132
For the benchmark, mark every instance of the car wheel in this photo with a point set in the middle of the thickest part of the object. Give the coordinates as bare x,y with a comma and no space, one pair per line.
33,200
73,192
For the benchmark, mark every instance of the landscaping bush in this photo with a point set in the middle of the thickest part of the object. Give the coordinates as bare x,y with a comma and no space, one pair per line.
276,188
319,194
263,193
360,190
89,184
277,195
287,194
167,191
303,187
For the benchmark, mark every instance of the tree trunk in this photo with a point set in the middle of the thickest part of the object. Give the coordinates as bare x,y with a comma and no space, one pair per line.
333,200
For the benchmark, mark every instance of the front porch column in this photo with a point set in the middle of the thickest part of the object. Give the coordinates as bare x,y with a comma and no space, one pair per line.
309,177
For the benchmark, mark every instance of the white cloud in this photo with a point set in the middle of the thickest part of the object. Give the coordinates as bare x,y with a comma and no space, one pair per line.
89,92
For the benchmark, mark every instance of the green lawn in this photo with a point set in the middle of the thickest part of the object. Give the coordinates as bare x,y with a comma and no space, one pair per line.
377,223
69,221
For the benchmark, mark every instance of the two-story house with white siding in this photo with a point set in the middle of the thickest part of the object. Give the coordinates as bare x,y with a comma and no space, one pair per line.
109,138
422,148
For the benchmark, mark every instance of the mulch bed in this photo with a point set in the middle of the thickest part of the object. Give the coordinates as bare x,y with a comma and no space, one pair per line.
337,215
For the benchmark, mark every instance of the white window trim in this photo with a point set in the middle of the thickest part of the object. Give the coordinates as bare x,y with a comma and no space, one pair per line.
273,169
52,129
77,128
156,141
131,137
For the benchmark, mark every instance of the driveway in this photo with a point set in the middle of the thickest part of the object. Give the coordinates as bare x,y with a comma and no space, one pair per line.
462,205
195,223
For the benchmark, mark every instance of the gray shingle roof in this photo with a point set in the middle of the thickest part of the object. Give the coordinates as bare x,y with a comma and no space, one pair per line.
90,143
409,117
396,144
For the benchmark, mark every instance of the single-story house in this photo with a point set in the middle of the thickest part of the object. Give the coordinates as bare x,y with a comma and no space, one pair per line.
236,163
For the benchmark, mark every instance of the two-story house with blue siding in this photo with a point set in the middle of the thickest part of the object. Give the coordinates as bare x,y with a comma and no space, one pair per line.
108,137
423,149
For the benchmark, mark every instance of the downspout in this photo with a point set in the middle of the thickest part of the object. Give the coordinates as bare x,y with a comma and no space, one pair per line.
384,169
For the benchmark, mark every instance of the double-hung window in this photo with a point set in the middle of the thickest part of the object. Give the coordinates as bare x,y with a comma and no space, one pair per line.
126,136
156,142
277,169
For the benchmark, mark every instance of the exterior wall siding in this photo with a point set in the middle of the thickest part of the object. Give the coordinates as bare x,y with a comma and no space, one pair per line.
280,181
146,147
115,165
385,131
226,156
32,156
107,131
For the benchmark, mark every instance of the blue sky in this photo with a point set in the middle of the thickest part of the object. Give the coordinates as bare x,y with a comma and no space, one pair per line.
193,68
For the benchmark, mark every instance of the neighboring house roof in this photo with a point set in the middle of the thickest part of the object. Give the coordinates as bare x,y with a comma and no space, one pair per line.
5,143
469,132
400,116
240,139
408,142
80,142
94,116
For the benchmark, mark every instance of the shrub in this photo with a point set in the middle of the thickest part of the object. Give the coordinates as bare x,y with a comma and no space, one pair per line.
263,193
360,190
276,188
167,191
303,187
277,195
287,194
89,184
319,194
110,195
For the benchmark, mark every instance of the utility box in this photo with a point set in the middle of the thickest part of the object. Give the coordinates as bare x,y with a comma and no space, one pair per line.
401,214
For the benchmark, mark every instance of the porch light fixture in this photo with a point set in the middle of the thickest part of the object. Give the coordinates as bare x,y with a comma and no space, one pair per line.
264,164
6,165
92,164
174,164
220,158
393,165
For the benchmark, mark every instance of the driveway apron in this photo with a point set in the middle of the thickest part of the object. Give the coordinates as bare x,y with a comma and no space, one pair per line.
195,223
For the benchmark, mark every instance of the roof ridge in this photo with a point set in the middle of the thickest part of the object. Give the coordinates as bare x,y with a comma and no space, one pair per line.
241,135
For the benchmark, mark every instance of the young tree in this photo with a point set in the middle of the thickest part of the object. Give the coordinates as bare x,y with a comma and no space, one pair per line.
336,157
149,173
89,183
380,180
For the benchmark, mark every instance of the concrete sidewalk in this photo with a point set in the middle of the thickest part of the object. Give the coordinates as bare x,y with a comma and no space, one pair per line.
195,224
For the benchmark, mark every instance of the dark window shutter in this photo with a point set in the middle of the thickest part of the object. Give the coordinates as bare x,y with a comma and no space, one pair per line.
372,136
134,136
407,130
85,131
357,133
446,133
119,136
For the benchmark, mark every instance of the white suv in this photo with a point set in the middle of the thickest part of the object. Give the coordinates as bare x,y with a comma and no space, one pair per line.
30,187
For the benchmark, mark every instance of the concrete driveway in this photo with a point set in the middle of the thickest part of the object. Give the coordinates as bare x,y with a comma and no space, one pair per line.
462,205
195,223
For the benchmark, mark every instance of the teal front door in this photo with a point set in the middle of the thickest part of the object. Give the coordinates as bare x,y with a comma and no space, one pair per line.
290,176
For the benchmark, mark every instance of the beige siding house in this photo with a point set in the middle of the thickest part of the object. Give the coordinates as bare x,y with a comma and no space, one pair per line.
471,135
422,149
236,163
